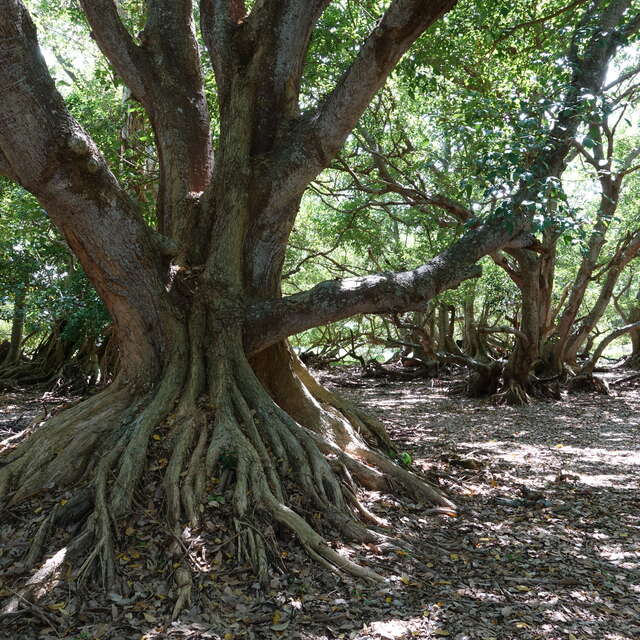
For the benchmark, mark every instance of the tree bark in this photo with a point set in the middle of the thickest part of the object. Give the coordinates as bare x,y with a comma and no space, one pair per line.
17,326
628,250
195,298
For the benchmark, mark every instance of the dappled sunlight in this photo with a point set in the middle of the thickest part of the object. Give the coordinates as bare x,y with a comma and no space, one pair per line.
546,537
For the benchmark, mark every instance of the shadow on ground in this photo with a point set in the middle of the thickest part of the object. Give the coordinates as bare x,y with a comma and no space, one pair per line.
547,544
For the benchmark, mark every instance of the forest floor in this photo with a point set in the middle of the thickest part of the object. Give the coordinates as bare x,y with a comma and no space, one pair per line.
546,545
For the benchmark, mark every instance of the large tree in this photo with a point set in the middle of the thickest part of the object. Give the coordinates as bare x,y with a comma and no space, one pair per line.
195,298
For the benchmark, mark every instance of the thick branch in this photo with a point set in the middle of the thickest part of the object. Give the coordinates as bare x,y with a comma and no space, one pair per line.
333,300
402,23
117,44
54,158
318,136
164,73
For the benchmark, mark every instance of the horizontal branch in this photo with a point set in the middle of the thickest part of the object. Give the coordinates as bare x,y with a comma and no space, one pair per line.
272,320
334,300
510,330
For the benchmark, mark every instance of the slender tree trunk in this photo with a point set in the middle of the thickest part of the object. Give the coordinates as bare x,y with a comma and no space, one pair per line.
623,256
634,316
17,327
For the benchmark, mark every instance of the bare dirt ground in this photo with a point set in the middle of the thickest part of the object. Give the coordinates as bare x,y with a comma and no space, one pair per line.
546,544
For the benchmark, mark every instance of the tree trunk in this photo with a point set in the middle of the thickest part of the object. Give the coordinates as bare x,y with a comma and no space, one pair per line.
17,326
517,372
625,253
634,316
207,397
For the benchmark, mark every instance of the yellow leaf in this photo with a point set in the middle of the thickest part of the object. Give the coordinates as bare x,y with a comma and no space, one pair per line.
134,554
57,606
522,587
129,531
400,552
404,580
454,556
558,446
441,632
228,636
63,501
388,599
277,616
155,436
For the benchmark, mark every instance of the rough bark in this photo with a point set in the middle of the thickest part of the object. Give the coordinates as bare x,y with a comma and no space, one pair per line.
178,294
192,299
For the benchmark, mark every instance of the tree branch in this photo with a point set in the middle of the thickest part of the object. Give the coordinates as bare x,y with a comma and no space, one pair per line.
401,24
273,320
510,330
55,159
530,23
589,366
117,45
165,75
313,140
218,20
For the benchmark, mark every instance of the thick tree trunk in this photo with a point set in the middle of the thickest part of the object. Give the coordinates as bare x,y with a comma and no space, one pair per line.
535,278
195,298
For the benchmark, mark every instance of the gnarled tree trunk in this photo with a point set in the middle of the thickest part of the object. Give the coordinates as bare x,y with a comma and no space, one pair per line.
205,381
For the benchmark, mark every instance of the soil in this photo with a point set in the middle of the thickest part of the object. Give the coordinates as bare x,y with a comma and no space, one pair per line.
545,545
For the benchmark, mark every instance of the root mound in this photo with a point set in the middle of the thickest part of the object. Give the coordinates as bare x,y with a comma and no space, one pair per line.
185,455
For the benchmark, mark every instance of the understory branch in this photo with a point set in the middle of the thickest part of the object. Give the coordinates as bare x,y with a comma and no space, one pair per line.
589,366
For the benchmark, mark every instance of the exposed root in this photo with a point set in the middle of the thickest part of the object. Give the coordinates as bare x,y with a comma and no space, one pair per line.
587,383
515,394
234,441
